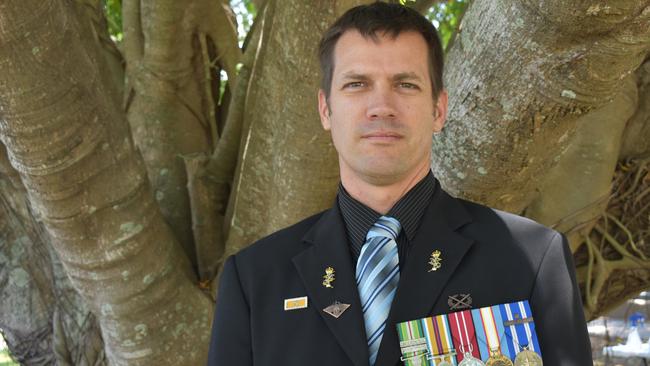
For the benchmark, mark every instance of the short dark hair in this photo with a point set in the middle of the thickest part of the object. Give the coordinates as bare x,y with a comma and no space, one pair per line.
390,19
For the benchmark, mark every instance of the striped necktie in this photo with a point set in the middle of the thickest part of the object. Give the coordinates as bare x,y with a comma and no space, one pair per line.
377,277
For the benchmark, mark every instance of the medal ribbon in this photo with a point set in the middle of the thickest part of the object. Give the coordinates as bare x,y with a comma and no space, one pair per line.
410,331
520,333
438,334
463,334
488,332
438,337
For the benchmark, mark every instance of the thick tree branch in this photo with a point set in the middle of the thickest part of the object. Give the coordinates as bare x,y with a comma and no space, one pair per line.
280,136
519,79
87,184
576,190
636,140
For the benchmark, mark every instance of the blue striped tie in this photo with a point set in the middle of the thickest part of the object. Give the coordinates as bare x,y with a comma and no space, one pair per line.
377,278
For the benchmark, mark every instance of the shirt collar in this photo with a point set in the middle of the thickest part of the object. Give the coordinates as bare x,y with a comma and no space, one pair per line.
408,210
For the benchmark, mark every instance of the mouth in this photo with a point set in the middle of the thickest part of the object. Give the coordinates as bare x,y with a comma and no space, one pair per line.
382,136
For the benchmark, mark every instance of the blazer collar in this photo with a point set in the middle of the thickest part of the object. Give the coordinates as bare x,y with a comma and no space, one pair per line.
330,248
419,288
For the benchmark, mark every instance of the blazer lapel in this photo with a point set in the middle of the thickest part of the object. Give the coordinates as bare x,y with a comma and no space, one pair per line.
330,249
419,288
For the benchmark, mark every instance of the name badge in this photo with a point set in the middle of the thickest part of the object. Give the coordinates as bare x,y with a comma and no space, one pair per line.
295,303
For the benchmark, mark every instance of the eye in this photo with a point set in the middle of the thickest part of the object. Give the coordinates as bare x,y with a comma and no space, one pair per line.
408,86
354,84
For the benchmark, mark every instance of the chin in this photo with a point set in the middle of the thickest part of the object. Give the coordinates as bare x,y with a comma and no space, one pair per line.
384,174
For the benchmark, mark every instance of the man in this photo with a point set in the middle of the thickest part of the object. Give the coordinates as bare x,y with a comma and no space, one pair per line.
394,247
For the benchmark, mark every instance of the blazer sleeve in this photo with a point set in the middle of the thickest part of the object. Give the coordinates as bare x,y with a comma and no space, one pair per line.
557,308
231,336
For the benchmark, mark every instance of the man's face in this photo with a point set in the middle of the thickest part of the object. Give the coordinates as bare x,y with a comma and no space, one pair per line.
381,111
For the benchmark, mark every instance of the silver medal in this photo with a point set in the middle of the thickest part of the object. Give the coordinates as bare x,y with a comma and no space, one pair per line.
469,360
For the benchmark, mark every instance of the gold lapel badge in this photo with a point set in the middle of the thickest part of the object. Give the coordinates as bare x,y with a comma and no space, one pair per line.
435,260
336,309
328,278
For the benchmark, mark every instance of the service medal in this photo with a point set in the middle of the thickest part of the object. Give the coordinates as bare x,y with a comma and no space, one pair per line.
464,336
469,360
442,360
528,358
497,359
418,360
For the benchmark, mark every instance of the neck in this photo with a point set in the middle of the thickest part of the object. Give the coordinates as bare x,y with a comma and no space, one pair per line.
382,195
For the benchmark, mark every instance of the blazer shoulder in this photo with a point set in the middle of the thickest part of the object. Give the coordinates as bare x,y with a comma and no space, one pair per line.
493,223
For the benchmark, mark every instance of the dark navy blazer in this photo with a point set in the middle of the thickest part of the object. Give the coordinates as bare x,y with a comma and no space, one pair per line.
494,256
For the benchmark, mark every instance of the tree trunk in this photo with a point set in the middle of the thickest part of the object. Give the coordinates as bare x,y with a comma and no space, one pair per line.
287,167
523,78
87,184
171,103
519,76
44,320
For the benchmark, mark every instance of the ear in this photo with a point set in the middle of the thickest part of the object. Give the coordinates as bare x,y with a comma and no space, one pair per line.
440,111
323,110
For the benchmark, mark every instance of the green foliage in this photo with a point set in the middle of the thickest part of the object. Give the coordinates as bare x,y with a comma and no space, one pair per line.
446,16
245,14
113,11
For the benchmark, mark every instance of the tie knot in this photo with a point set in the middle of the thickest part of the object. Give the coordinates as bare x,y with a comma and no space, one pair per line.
385,226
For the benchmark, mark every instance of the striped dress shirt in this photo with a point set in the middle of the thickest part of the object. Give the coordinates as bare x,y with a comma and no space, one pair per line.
408,210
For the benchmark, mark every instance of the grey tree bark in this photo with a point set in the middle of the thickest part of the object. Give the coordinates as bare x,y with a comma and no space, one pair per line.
519,76
87,184
287,167
538,109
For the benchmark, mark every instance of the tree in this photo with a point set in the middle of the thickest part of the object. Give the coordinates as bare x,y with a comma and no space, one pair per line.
128,175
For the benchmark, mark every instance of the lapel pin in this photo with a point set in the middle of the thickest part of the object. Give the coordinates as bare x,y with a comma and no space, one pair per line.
295,303
328,278
459,301
336,309
435,260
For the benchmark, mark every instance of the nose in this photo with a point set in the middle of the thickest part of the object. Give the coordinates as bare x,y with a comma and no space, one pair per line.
381,104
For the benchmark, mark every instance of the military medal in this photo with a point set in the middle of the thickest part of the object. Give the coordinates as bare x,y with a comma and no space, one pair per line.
414,354
413,344
336,309
520,330
328,278
464,336
487,336
435,260
426,339
528,358
469,360
444,360
497,359
487,320
444,363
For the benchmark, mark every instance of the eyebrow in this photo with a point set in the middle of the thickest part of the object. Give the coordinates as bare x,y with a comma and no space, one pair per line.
397,77
355,76
407,76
